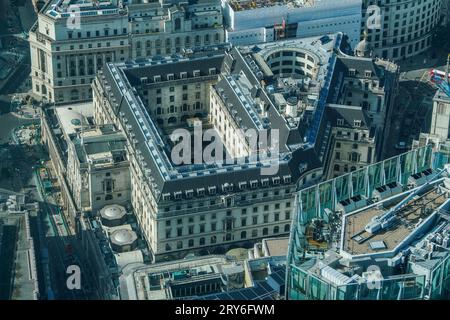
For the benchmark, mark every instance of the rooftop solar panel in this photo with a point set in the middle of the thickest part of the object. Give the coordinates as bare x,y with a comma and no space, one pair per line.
261,291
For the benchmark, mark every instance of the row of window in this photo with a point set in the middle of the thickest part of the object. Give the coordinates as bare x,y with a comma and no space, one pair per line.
97,33
229,237
244,221
177,40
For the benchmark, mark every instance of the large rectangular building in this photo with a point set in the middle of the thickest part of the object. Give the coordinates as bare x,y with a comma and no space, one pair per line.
72,40
278,93
252,22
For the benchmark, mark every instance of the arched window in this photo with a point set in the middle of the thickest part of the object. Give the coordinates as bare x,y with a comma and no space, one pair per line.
216,37
138,45
172,120
177,24
243,234
168,42
197,39
213,239
336,167
148,44
287,227
265,231
158,110
254,233
188,41
179,244
276,229
168,247
206,38
191,243
202,241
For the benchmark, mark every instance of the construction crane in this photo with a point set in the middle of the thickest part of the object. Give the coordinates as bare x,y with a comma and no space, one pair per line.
442,79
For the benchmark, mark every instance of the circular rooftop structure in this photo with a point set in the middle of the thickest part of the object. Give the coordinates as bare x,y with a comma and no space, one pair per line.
113,215
123,240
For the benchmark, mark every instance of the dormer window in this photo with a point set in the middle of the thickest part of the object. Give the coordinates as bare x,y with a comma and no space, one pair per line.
357,123
157,78
212,190
183,75
189,193
265,182
166,196
340,122
170,77
212,71
351,72
242,185
368,73
227,187
201,192
254,184
144,80
196,73
177,195
287,179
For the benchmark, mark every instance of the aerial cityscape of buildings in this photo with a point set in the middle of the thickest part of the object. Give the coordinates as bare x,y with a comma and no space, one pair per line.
225,150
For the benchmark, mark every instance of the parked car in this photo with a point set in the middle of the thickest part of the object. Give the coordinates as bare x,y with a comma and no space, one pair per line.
401,145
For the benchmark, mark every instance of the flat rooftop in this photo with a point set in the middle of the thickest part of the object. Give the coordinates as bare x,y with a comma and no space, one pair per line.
64,8
72,117
148,282
100,146
357,241
276,246
17,278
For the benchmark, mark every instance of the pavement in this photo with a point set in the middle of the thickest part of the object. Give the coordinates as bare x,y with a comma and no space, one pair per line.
62,237
20,19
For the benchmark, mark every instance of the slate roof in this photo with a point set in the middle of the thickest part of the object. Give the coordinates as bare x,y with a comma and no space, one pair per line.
349,114
122,77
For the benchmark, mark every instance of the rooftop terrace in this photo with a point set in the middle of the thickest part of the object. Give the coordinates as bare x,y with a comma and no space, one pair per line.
83,8
357,241
240,5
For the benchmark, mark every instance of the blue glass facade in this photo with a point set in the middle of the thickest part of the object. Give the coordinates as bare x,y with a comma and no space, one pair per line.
311,203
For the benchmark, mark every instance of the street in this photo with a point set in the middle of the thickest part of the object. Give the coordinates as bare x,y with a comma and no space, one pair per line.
414,104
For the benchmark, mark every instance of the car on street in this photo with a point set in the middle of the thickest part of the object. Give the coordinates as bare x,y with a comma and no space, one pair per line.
401,145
